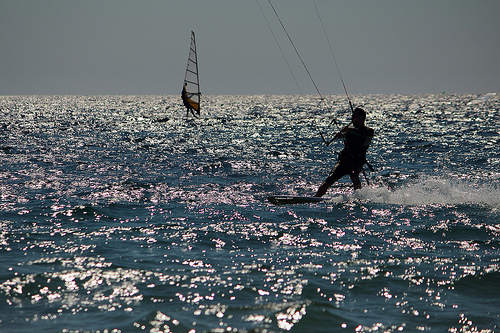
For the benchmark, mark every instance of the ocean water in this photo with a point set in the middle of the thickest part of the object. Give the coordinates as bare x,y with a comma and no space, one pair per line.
118,214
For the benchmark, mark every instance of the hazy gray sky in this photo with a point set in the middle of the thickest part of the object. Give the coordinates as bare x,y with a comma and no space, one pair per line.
140,47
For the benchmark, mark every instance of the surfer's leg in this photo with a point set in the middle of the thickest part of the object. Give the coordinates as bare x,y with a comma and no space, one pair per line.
323,188
336,173
354,175
355,180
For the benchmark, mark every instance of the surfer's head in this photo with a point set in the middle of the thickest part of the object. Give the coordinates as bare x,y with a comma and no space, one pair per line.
360,113
358,116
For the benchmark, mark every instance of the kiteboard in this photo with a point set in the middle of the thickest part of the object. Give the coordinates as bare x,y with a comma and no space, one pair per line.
291,200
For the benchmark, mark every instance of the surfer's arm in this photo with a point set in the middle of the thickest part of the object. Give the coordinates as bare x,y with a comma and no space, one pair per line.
342,133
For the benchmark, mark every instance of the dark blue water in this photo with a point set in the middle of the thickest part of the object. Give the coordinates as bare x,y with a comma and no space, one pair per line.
112,221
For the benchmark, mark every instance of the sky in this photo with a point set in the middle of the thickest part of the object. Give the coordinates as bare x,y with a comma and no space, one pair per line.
132,47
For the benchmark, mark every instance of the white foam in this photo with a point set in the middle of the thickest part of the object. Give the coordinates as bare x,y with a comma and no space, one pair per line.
482,99
433,190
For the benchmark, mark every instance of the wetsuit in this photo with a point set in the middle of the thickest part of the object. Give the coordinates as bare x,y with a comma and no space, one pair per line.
353,156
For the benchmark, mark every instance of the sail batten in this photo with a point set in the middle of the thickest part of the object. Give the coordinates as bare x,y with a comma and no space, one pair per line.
191,94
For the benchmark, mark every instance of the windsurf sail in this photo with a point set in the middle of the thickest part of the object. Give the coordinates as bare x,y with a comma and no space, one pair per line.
191,89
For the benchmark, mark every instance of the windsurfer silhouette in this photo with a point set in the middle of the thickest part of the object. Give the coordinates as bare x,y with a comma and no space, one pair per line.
185,100
357,139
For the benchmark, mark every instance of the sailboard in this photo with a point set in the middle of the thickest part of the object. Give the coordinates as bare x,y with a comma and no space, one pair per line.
291,200
191,94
